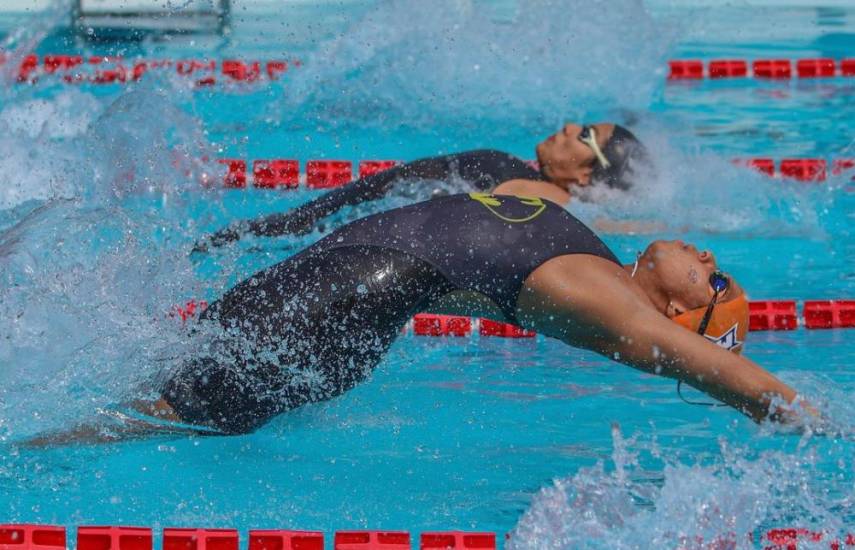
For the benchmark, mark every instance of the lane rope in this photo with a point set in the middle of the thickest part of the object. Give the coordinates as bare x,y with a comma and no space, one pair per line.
76,68
764,315
695,69
327,174
52,537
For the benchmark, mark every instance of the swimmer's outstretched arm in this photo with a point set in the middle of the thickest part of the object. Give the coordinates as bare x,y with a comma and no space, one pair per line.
304,219
299,221
601,311
656,345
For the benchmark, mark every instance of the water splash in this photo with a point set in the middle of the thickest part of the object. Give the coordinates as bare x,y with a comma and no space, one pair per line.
24,39
91,253
733,199
652,498
542,63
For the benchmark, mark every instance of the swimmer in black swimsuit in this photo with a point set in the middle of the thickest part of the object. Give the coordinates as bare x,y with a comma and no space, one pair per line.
315,325
575,156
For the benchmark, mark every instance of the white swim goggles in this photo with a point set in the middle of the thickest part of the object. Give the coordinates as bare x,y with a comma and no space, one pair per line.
588,136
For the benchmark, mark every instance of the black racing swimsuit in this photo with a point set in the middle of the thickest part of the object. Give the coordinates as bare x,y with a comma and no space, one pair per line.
316,324
479,242
481,170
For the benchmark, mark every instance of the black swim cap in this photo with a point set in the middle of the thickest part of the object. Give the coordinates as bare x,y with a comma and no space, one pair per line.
622,150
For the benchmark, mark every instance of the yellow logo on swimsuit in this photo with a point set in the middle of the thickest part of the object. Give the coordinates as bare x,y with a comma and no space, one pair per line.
493,203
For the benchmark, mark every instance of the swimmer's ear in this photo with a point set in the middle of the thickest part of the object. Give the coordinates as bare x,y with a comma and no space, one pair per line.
674,309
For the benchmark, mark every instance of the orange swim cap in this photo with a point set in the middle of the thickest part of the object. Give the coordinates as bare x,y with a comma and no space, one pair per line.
728,325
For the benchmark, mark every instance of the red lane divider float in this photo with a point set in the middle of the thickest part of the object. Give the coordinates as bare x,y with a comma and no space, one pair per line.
189,310
693,69
372,540
328,174
75,69
789,539
457,540
829,314
31,537
236,176
504,330
198,539
727,68
772,315
801,169
119,538
285,540
773,68
427,324
816,314
273,174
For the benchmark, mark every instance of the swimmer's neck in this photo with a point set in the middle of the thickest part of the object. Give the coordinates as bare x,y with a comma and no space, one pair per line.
644,285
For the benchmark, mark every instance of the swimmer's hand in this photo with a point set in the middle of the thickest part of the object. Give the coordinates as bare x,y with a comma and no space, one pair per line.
803,418
300,221
227,235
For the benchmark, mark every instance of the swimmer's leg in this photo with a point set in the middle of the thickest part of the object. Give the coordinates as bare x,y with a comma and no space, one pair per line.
136,420
310,328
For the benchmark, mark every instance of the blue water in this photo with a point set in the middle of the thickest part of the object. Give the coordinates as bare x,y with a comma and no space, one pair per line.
100,202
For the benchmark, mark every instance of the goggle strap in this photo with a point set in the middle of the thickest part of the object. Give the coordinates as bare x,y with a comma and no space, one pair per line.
702,328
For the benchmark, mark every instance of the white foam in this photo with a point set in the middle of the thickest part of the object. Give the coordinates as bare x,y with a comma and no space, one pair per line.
648,498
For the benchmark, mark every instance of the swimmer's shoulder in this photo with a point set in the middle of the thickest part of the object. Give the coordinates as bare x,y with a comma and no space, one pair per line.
533,188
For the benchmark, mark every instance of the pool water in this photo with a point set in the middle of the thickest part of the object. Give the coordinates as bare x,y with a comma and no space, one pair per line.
101,201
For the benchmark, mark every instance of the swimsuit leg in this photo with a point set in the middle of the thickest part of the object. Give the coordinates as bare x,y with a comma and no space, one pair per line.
304,330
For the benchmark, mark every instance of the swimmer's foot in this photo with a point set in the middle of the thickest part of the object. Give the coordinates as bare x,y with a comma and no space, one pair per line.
136,420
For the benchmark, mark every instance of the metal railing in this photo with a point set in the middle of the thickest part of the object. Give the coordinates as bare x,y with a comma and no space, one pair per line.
104,19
